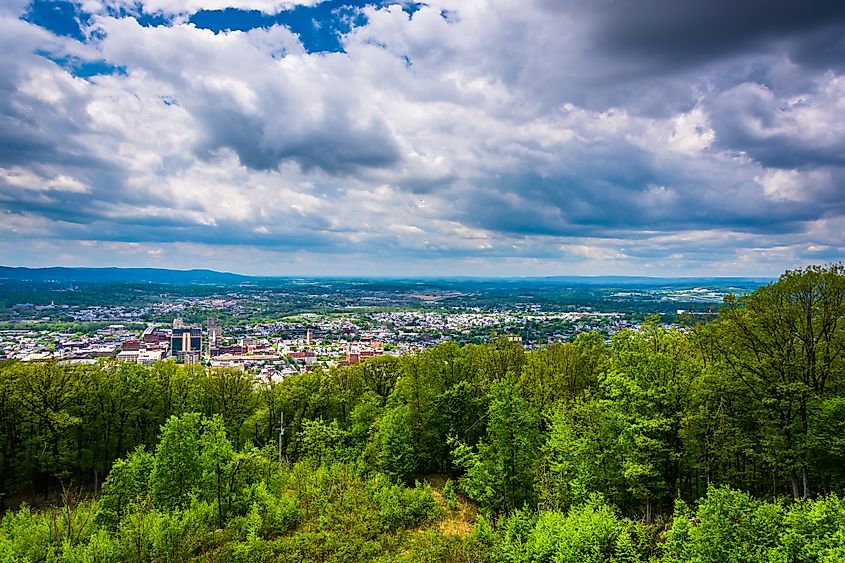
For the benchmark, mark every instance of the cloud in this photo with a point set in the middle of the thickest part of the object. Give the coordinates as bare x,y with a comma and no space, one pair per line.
186,7
258,94
544,137
779,131
668,33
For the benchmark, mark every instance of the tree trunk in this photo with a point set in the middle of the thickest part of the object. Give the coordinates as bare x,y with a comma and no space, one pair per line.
805,480
219,497
796,489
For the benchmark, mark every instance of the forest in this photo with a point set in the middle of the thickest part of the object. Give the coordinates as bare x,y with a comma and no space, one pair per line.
719,442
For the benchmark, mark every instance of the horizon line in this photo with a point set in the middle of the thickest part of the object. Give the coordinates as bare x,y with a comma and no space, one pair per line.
391,276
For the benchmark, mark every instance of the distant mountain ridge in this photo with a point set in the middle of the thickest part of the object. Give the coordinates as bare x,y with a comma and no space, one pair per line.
119,275
203,276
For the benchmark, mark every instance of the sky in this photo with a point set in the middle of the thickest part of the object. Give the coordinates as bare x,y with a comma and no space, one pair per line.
450,137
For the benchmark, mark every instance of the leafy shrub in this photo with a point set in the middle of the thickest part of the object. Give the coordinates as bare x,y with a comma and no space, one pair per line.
729,527
166,536
25,535
590,533
100,548
177,471
324,442
429,546
449,495
326,546
814,532
402,507
276,515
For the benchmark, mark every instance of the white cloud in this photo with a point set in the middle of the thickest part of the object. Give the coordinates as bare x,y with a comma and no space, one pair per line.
185,7
470,131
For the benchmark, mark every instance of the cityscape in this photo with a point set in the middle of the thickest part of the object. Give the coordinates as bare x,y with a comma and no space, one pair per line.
275,327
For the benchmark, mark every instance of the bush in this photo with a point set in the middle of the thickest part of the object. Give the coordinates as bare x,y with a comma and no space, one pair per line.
100,548
165,536
814,532
326,546
25,535
276,515
402,507
429,547
397,450
732,528
449,495
590,533
177,471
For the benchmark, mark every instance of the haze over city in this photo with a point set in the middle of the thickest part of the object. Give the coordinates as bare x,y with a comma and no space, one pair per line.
441,138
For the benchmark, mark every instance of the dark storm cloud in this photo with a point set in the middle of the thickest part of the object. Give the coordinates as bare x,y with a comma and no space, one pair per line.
36,133
672,32
656,57
44,142
731,55
333,143
622,187
778,132
823,49
27,132
177,229
603,207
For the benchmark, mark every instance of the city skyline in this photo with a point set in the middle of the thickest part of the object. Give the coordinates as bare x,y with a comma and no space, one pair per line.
473,138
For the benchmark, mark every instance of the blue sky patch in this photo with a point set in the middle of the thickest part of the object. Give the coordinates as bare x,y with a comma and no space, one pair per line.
82,68
58,16
319,27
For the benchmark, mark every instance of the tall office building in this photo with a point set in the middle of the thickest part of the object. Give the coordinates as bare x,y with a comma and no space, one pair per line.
215,333
186,342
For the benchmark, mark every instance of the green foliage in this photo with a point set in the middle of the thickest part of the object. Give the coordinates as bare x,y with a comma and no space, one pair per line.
579,454
215,457
563,372
826,438
499,472
177,473
646,389
729,526
278,514
228,393
397,449
364,416
402,507
25,536
590,533
785,343
176,534
126,486
814,532
677,546
449,495
322,442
